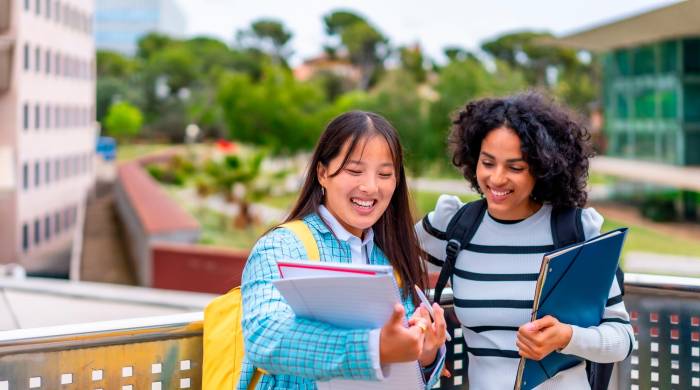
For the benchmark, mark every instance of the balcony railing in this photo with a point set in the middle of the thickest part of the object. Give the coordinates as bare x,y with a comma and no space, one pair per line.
166,352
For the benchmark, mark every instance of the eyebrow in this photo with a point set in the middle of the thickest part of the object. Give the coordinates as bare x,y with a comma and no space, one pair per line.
512,160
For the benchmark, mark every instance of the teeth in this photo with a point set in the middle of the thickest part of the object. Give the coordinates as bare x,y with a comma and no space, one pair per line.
500,193
363,203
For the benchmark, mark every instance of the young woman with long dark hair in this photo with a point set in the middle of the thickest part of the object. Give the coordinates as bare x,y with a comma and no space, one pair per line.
355,201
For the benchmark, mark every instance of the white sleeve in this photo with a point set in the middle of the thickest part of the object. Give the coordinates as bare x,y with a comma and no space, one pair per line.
431,229
592,222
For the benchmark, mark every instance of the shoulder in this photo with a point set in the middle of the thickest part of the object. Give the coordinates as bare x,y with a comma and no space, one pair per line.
445,208
592,222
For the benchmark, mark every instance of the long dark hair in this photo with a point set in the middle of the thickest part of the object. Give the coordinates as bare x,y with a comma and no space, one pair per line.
393,232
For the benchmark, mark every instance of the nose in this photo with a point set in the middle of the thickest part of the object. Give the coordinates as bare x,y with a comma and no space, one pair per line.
498,177
368,184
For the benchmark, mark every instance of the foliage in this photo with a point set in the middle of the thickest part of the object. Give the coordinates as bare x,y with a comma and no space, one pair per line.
544,65
412,61
463,80
365,45
123,120
279,111
269,36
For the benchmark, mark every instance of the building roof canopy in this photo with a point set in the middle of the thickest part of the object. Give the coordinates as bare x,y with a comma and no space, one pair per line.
678,20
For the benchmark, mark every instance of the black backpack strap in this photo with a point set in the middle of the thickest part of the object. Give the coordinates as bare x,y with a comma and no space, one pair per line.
460,231
567,227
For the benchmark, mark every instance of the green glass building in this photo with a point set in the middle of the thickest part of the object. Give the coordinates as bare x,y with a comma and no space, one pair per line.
651,83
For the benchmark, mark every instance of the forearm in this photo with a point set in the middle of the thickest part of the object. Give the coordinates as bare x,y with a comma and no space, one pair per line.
606,343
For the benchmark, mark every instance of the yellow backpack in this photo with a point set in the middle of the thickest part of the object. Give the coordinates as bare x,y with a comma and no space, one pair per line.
223,333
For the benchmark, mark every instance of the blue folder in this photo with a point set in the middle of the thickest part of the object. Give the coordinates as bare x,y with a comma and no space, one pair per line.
573,286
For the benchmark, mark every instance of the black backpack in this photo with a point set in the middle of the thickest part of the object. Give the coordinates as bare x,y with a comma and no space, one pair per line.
567,229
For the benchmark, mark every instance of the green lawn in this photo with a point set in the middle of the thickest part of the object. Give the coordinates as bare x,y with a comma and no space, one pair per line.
641,239
126,152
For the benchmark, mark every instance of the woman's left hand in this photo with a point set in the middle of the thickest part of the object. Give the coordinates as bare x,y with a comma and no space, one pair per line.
539,338
435,332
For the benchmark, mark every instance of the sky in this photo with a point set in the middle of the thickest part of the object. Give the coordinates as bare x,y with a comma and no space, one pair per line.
434,24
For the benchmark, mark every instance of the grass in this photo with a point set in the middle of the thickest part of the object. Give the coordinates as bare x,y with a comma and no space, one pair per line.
126,152
218,230
641,239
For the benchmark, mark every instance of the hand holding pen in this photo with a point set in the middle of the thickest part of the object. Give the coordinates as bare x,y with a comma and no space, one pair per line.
425,303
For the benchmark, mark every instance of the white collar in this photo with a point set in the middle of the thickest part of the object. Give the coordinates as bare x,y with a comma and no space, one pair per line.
340,231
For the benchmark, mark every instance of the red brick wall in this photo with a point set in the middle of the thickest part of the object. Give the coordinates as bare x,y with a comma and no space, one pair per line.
196,267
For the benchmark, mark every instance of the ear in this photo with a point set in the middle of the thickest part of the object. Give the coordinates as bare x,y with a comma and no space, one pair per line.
322,174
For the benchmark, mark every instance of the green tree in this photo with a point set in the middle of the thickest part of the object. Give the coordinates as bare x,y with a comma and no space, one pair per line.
558,69
461,81
123,120
113,64
396,98
278,111
152,43
366,46
413,61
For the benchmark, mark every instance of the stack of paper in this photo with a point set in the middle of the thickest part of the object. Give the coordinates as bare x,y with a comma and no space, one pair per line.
348,296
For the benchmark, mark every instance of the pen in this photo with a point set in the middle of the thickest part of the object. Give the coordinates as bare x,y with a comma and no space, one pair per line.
424,300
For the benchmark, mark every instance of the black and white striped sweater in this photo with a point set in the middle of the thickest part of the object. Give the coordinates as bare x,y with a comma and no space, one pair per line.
494,284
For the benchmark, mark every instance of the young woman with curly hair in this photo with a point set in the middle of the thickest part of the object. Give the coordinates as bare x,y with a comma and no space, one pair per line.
526,156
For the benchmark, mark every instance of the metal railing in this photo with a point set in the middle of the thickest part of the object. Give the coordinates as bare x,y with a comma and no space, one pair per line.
166,352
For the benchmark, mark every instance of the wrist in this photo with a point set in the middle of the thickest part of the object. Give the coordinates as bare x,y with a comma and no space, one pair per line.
428,356
566,333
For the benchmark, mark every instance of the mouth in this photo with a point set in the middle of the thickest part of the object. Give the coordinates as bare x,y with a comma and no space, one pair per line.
499,195
365,204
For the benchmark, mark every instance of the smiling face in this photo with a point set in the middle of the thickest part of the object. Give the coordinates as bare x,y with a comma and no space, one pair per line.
358,193
504,176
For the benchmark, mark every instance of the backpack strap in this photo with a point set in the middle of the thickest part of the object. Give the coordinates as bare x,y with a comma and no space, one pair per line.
303,233
567,227
459,233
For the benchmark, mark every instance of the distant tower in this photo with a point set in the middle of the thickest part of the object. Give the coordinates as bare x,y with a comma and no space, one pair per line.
120,23
47,129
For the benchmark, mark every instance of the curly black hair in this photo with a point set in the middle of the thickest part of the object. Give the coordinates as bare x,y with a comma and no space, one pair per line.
554,142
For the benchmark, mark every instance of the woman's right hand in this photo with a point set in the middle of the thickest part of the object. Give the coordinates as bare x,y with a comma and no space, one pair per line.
398,343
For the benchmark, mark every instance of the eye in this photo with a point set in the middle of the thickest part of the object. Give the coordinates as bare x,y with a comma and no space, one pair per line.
386,175
353,172
517,169
486,163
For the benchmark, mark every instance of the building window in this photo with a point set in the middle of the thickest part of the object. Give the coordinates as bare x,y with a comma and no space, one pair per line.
26,5
37,59
25,116
57,169
26,56
38,7
37,174
47,171
47,228
25,176
57,223
37,116
48,9
48,62
57,117
57,65
37,232
47,117
25,237
57,8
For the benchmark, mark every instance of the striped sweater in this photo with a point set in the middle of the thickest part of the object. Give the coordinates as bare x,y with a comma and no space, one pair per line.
494,284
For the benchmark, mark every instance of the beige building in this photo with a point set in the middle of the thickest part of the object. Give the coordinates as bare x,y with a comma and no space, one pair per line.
47,130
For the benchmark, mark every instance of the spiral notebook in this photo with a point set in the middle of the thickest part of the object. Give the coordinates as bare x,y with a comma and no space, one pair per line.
348,296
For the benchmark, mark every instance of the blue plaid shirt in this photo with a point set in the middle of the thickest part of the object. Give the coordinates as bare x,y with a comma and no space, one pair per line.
295,351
